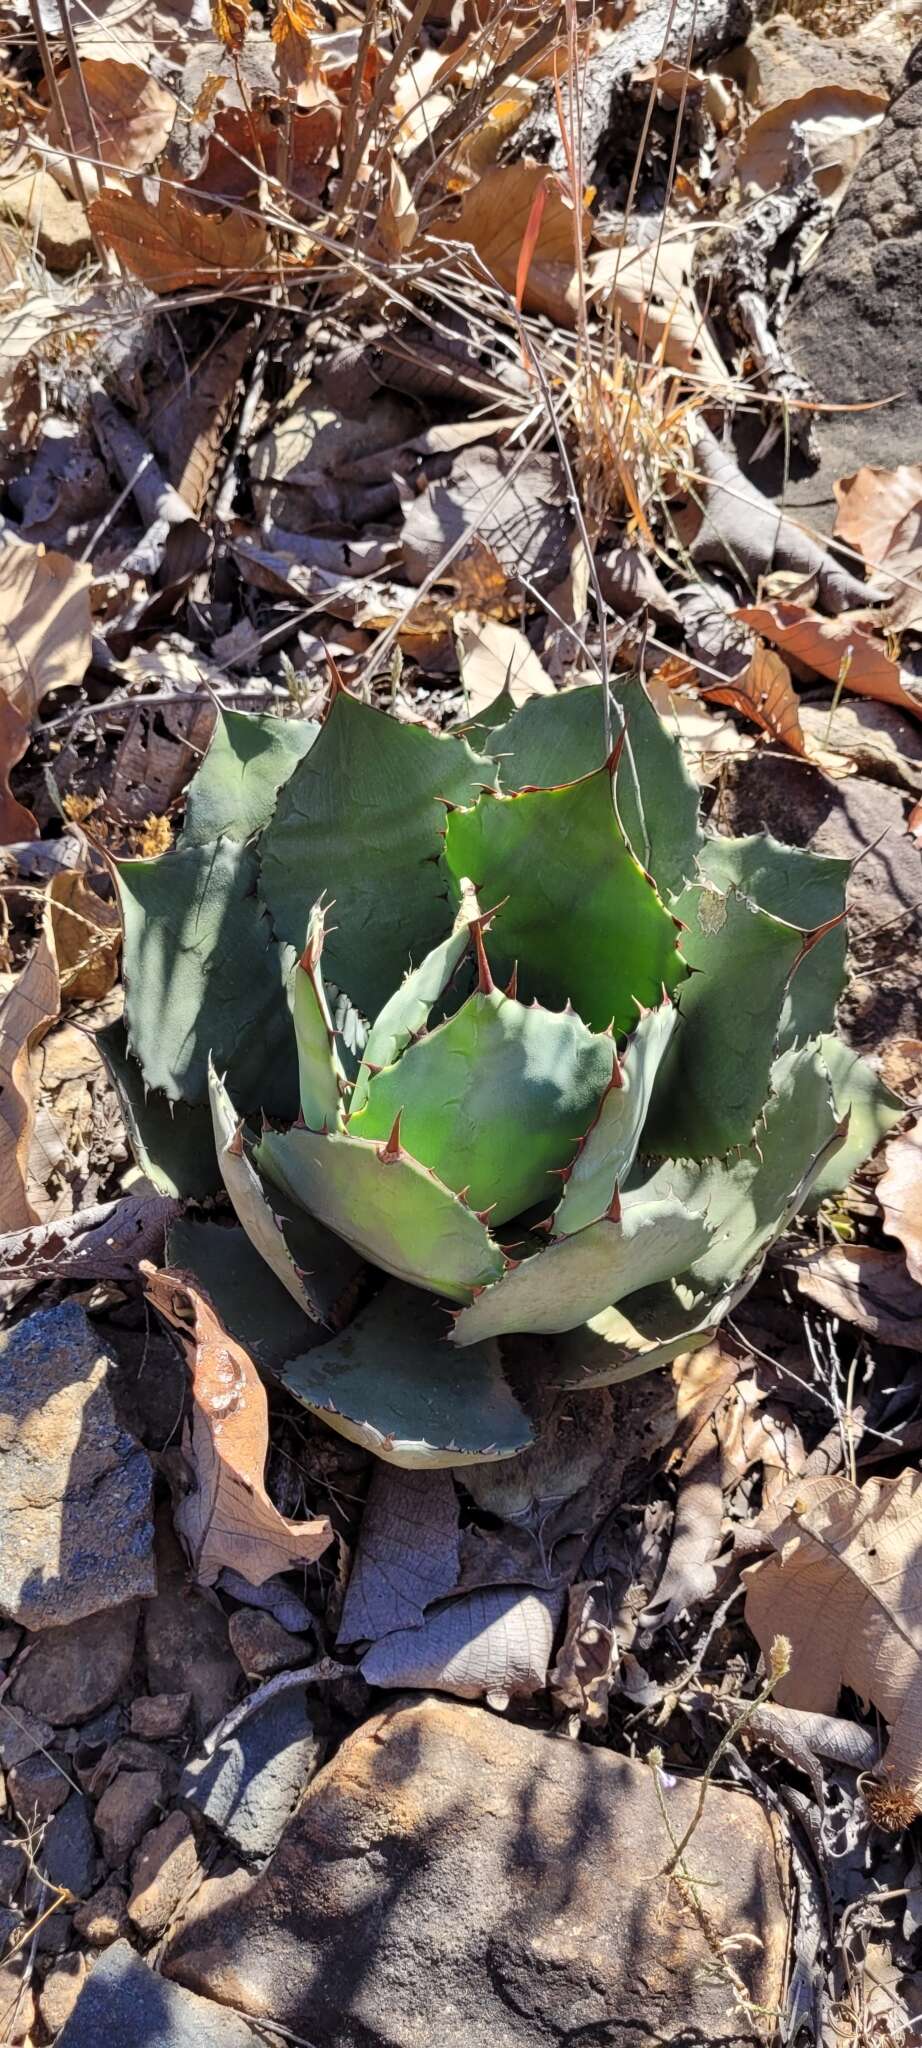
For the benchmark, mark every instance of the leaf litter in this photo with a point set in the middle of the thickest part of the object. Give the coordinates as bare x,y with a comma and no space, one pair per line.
327,346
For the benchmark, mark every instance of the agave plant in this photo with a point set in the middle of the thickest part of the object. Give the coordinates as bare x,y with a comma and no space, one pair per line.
487,1040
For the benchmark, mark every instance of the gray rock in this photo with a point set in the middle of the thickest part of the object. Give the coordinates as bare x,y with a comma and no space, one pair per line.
123,2001
782,58
125,1812
185,1637
21,1735
67,1855
75,1488
60,1992
250,1786
853,327
160,1716
37,1787
70,1673
454,1878
12,1869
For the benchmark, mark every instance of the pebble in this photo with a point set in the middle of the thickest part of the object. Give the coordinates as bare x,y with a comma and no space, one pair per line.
72,1672
60,1992
103,1918
262,1646
185,1637
125,1812
165,1872
160,1716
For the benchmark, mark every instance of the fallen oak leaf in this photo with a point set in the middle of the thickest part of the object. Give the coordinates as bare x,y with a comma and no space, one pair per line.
26,1012
867,1287
131,113
872,504
492,657
227,1520
835,122
494,221
16,822
172,244
763,692
844,1588
747,532
45,627
651,289
846,650
899,1192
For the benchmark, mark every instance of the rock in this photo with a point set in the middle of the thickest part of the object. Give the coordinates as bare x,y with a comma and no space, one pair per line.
60,1992
160,1716
67,1855
123,2002
94,1741
251,1784
165,1872
262,1646
37,1787
185,1637
10,1639
21,1735
129,1754
75,1489
853,326
12,1869
781,59
798,804
125,1812
456,1878
33,202
103,1918
70,1673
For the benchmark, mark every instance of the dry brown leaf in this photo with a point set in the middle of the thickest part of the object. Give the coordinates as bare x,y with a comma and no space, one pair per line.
398,220
16,822
87,937
494,220
764,692
843,648
187,432
133,115
846,1590
652,291
171,244
701,1379
706,739
494,657
836,122
228,1520
869,1288
750,1433
880,514
45,632
22,328
899,1192
30,1006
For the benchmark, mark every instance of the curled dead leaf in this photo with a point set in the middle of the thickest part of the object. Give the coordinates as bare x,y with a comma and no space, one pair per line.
844,649
899,1192
494,657
652,291
26,1012
844,1588
867,1287
227,1519
494,221
836,123
16,822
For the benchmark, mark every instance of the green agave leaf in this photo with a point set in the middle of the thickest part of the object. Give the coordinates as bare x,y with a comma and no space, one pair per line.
647,1330
320,1271
361,820
321,1076
493,1100
478,731
577,915
872,1111
203,974
748,1201
714,1077
233,794
605,1159
171,1141
805,889
577,1276
558,739
392,1383
252,1304
387,1206
407,1012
